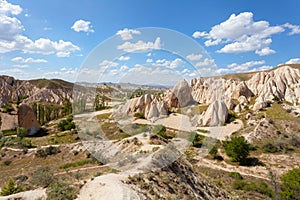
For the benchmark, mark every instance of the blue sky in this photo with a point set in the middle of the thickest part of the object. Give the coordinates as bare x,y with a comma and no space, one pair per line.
53,39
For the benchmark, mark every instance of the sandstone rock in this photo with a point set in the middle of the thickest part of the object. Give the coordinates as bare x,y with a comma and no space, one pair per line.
27,119
238,108
183,92
215,115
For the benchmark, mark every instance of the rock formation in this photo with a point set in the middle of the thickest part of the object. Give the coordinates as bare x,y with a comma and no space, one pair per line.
215,115
28,120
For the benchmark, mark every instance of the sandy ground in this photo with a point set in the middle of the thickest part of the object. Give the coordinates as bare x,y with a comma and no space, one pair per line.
106,187
28,195
183,123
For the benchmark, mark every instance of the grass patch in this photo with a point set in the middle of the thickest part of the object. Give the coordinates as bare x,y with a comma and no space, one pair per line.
199,109
277,112
76,164
260,187
9,132
103,116
203,131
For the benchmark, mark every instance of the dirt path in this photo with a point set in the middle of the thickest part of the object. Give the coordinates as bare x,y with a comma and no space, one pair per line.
246,171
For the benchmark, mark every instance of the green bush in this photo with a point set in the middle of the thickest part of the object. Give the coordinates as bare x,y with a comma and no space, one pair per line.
21,132
52,150
66,124
161,131
237,148
77,164
290,185
260,187
60,191
42,177
235,175
198,141
11,188
40,153
269,147
139,115
7,162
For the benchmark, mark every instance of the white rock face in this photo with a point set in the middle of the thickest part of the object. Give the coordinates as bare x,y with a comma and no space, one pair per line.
183,92
149,105
215,115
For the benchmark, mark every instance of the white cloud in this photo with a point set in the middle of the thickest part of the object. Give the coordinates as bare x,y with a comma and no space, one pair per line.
127,34
82,25
192,74
28,60
123,68
198,34
265,51
207,62
294,28
149,60
8,8
21,66
241,33
173,64
107,63
140,46
63,54
293,61
12,39
123,58
234,67
185,71
244,67
194,57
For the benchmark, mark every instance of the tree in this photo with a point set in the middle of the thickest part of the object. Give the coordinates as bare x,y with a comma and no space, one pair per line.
237,148
60,191
42,177
11,188
290,185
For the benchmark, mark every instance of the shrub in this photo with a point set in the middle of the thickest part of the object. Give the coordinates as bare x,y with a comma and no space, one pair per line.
21,132
260,187
66,124
52,150
40,153
269,147
60,191
26,143
11,188
231,117
7,162
237,148
235,175
43,177
198,140
290,185
139,115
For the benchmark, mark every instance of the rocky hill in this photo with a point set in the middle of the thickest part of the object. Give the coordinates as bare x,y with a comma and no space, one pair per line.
227,93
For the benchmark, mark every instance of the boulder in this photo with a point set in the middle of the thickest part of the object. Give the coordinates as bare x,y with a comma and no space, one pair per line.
27,119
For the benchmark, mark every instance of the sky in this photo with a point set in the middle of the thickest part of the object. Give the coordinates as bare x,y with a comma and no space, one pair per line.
108,41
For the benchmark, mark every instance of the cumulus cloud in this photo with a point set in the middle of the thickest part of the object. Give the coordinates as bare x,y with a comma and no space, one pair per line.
294,28
8,8
240,33
293,61
82,25
12,38
127,34
108,63
244,67
123,58
173,64
198,34
194,57
149,60
28,60
140,46
265,51
206,62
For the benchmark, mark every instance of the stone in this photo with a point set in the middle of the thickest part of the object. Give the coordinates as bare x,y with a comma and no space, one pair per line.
27,119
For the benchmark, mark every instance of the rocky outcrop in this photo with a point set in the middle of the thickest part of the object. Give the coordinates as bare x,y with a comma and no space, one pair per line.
27,119
150,106
180,96
282,83
41,90
215,115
